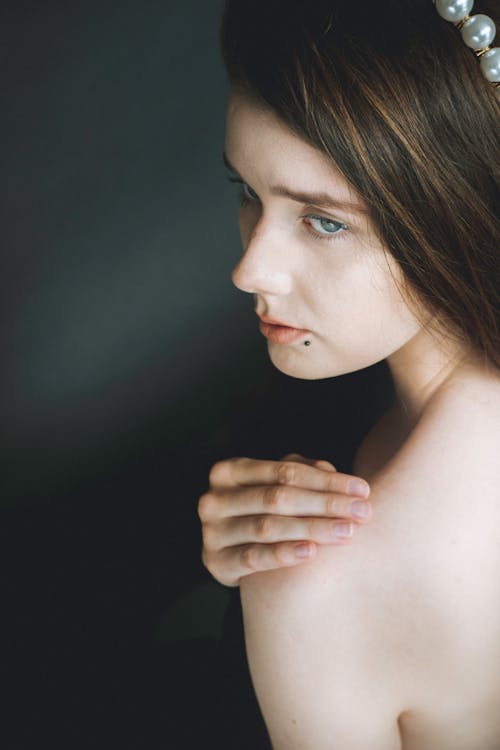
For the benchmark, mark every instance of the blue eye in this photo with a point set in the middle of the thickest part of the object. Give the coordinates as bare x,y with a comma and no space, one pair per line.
337,229
338,226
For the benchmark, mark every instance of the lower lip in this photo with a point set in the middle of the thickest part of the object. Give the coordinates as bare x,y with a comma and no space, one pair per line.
281,334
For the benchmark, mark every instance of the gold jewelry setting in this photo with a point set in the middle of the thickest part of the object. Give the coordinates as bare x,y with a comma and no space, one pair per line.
478,32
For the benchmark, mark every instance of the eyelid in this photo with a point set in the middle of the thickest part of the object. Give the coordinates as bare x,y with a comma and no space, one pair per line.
241,182
235,178
338,235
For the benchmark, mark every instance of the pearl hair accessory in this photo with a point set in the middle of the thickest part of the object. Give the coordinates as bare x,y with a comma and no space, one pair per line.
478,32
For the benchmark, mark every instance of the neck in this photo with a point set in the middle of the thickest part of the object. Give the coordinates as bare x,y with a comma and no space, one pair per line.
421,369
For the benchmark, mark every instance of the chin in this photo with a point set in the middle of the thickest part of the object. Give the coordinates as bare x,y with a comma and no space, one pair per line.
301,363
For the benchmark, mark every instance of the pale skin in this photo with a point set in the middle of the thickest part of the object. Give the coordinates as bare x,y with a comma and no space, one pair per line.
362,643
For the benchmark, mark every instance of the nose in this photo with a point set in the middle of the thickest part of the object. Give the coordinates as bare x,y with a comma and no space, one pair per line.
264,267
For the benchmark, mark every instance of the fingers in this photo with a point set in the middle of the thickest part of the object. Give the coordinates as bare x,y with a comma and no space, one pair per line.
257,512
232,564
250,471
296,457
280,501
326,465
267,529
320,464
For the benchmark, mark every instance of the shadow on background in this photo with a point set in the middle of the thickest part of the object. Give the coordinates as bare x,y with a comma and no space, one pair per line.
129,366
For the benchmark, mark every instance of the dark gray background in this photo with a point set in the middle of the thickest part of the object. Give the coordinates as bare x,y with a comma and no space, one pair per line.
130,364
117,236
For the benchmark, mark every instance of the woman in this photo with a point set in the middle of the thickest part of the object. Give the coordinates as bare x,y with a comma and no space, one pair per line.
386,635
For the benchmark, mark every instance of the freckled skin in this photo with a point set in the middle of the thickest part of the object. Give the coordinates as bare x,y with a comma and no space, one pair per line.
391,642
341,290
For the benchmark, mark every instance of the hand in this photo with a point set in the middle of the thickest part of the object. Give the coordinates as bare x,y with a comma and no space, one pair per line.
255,513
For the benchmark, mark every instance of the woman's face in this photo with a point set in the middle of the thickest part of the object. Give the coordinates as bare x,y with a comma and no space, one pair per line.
311,266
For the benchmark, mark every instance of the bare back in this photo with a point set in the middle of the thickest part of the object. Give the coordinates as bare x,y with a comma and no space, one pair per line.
393,641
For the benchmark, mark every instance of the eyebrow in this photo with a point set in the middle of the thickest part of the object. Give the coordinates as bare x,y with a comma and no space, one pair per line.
320,199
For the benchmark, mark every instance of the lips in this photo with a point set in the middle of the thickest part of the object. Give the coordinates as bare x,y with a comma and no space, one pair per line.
281,334
278,331
274,322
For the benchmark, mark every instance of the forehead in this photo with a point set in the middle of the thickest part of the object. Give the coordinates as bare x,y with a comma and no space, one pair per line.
257,139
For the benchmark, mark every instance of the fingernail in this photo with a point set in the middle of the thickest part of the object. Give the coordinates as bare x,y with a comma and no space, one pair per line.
360,509
342,530
358,487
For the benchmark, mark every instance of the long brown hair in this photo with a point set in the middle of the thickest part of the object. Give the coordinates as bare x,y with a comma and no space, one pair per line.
391,94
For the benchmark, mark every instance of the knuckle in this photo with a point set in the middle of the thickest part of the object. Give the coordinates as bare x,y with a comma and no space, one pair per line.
332,505
311,527
248,557
216,470
338,483
210,536
221,470
263,527
274,496
281,554
212,564
286,472
332,482
205,505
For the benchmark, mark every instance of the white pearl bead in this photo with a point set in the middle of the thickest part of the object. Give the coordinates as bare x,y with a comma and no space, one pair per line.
490,64
454,10
478,31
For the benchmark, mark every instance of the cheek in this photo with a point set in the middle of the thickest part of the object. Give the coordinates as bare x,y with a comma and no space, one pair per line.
341,285
362,300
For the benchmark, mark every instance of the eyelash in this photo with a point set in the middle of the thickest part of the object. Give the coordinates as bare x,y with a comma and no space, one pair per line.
245,200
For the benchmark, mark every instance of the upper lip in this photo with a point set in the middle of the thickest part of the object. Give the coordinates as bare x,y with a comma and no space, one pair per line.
274,322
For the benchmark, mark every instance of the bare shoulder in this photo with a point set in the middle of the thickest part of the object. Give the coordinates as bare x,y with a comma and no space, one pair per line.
439,517
419,579
437,495
435,539
454,444
473,395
